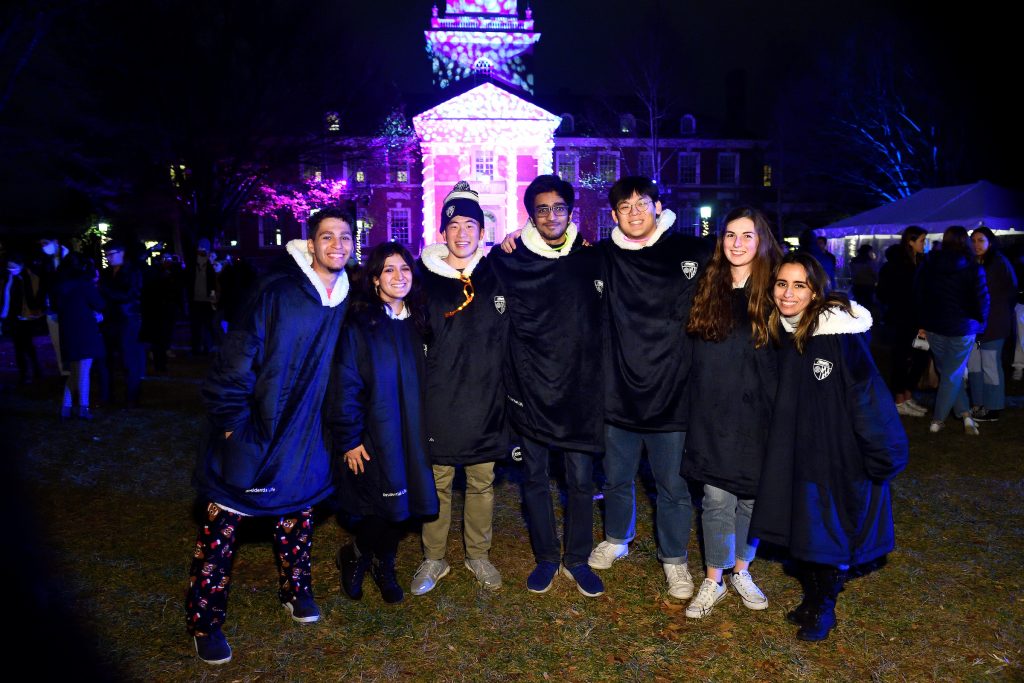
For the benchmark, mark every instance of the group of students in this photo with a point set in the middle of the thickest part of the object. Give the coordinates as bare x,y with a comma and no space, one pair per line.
734,367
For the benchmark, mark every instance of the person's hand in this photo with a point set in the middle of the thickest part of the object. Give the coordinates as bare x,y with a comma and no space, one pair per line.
227,435
508,245
355,457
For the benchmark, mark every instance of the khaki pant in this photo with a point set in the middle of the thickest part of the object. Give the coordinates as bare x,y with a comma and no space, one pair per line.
477,514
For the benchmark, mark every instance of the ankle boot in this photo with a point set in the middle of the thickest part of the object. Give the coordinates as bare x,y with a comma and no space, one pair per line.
801,614
353,569
386,578
822,616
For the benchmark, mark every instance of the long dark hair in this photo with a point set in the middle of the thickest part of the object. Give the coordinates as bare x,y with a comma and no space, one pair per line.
367,308
993,244
822,298
955,240
911,234
711,315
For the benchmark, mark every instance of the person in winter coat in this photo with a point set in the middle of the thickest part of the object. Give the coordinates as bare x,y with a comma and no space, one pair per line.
951,294
732,383
53,253
907,364
79,309
467,316
376,416
264,451
650,277
985,364
121,287
864,276
162,296
20,311
835,443
553,286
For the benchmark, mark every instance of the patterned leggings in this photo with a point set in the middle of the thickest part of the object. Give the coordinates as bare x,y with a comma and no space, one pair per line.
206,600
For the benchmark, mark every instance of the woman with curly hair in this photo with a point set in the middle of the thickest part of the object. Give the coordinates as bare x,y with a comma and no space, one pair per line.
732,380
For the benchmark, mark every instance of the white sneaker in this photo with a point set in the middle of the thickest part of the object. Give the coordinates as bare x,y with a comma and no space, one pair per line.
935,427
427,576
605,554
707,597
1018,374
910,411
916,406
680,583
486,573
970,426
750,594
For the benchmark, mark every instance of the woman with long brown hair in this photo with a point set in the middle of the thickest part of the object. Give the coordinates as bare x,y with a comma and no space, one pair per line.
732,380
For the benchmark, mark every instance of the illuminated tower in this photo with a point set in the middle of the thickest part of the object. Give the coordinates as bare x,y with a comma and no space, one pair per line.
485,37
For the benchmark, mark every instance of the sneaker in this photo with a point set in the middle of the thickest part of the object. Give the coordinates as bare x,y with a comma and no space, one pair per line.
680,583
427,576
986,415
302,609
486,573
213,648
605,554
906,409
587,582
970,426
707,597
935,427
915,405
541,578
750,594
1018,374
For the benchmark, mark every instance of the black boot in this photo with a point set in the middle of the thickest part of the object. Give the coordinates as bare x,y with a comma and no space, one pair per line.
353,569
386,578
822,617
802,613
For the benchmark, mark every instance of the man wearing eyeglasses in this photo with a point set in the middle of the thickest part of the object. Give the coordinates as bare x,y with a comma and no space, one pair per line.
465,413
651,276
553,285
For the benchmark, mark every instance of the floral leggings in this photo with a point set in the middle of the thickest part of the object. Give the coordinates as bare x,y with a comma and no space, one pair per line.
206,600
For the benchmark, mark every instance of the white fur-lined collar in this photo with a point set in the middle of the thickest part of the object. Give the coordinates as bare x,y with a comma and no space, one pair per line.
433,256
666,219
535,243
837,321
299,250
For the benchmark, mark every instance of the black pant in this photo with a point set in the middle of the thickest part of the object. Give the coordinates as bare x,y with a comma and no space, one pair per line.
378,536
121,338
22,333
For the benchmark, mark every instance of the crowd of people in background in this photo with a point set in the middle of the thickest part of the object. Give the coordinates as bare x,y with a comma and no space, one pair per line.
733,364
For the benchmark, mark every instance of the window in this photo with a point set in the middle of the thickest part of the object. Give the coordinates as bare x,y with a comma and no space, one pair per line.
687,125
728,168
689,168
398,225
398,170
363,226
627,124
271,234
567,165
483,65
689,223
360,176
766,175
645,164
490,220
607,167
483,164
604,224
332,122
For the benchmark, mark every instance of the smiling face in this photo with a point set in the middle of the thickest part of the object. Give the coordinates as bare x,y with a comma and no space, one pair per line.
637,216
462,236
792,292
394,281
551,216
331,246
739,243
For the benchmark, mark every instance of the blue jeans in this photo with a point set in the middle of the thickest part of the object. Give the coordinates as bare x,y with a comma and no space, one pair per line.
673,510
726,523
540,509
985,374
950,363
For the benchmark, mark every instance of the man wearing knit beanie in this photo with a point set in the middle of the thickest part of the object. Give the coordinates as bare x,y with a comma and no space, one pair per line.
466,310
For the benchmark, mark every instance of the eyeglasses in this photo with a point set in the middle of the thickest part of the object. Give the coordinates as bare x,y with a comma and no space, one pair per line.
557,209
641,206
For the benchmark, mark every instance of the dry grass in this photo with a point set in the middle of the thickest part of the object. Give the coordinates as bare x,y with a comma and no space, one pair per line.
114,499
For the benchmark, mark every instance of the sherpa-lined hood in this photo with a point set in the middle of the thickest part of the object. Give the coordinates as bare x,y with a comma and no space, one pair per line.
837,321
299,250
535,243
666,219
433,257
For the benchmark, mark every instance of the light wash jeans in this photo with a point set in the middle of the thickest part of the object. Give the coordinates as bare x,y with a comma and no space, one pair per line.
985,375
726,523
951,364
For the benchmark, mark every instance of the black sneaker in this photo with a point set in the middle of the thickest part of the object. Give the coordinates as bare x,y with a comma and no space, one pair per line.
302,609
985,415
213,648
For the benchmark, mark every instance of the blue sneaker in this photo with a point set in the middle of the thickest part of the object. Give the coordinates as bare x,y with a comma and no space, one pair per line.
302,609
541,578
587,582
213,648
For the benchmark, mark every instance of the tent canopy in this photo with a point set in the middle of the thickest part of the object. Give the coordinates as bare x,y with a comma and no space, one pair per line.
981,203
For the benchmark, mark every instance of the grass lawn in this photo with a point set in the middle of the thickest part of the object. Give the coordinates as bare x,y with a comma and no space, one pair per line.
114,505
